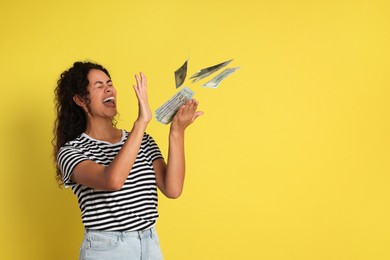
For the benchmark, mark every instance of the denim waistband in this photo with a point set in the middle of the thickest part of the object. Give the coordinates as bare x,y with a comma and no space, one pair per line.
124,234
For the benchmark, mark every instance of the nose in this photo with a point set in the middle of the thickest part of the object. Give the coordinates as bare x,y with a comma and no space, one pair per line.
109,89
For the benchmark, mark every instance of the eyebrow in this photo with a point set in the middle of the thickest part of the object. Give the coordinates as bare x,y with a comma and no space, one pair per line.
101,82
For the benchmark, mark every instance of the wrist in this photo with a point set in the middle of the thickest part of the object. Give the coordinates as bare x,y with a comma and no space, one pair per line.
140,124
144,118
176,132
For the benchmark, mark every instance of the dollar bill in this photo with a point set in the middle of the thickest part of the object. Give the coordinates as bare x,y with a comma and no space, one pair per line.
214,82
180,74
203,73
166,112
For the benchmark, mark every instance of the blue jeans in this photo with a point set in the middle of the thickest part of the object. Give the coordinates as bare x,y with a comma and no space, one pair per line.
116,245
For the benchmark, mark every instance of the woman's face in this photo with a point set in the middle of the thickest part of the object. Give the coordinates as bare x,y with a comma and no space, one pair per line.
102,95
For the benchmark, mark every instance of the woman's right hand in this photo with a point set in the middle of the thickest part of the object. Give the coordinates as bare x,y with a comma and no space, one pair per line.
144,112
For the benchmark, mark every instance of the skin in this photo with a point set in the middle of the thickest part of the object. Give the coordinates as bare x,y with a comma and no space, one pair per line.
169,176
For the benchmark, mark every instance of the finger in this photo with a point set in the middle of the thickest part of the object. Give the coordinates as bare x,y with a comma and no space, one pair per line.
136,91
191,108
187,108
194,113
191,102
181,112
141,88
194,105
143,80
182,109
198,114
138,80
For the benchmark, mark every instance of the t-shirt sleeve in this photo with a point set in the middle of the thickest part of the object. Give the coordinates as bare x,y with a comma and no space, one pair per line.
68,157
154,150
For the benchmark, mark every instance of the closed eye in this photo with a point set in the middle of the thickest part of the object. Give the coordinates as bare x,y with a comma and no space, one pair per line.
99,84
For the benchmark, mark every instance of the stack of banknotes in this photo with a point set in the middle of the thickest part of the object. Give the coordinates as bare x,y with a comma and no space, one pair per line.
167,111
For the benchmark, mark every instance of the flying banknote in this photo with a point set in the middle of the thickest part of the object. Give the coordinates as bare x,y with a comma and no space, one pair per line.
214,82
180,74
208,71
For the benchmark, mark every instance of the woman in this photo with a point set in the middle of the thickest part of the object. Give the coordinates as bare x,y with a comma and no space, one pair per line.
115,173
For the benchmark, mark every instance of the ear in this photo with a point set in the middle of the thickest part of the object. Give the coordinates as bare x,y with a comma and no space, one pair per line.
79,101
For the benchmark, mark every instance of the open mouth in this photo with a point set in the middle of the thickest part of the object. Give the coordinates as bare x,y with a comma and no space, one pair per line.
109,100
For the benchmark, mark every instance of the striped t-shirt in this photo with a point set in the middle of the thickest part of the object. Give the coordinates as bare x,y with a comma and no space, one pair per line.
134,206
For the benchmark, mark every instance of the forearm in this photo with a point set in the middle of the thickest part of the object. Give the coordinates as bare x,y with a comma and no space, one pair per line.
175,173
118,170
173,179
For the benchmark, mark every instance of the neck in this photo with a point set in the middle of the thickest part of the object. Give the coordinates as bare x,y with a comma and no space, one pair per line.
101,129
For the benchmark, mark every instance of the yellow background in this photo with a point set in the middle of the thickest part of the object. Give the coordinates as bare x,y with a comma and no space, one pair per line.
290,160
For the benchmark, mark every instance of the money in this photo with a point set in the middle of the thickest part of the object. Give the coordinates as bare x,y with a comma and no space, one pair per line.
166,112
180,74
214,82
201,74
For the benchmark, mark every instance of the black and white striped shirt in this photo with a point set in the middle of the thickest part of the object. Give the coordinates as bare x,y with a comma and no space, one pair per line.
132,208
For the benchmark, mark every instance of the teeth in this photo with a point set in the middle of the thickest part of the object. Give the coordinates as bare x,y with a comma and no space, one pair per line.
109,99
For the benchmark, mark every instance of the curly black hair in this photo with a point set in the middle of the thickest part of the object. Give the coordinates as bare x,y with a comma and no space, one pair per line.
71,120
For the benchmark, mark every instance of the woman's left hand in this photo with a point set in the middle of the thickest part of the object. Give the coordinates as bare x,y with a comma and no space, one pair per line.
185,116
